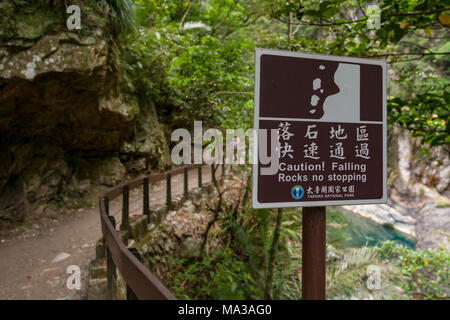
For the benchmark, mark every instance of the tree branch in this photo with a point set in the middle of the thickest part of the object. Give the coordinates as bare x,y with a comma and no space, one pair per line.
365,18
185,14
215,211
217,26
230,92
421,54
273,249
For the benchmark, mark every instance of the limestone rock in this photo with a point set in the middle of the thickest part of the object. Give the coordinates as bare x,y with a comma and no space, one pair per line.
136,166
433,229
100,250
107,171
12,200
191,247
64,115
406,170
97,289
84,185
149,140
138,225
61,257
386,215
97,269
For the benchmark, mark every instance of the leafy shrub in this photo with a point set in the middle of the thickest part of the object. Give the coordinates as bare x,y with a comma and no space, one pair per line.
426,272
220,276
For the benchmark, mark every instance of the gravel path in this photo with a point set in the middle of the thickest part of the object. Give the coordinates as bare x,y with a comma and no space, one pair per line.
29,266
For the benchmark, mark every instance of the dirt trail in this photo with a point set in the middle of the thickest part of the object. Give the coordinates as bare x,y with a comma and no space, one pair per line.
27,270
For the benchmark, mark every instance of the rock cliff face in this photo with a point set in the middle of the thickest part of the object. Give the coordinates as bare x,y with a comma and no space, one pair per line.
68,117
411,174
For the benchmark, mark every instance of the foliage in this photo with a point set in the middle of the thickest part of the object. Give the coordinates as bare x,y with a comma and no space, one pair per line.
249,235
212,76
347,21
193,61
426,272
256,237
420,98
254,262
335,223
120,15
413,36
221,276
147,61
426,115
239,271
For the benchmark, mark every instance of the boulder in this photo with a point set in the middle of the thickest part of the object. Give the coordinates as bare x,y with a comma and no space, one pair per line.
136,166
108,171
12,200
191,247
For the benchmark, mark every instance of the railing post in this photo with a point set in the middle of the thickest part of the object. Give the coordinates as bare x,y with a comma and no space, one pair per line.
130,293
199,176
212,172
186,183
146,199
168,191
125,225
110,268
106,202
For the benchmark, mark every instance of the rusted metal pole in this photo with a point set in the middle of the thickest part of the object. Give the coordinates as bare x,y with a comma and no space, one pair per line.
200,176
313,253
212,173
168,191
130,293
110,269
146,199
125,224
186,183
106,202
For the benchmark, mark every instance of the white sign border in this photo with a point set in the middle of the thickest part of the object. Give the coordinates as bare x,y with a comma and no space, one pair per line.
258,205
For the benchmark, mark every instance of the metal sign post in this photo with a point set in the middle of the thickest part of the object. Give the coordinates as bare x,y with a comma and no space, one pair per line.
313,253
320,140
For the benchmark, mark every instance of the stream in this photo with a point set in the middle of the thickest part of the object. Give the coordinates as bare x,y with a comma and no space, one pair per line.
350,230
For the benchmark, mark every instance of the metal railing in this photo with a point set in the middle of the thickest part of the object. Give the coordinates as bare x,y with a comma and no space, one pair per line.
140,282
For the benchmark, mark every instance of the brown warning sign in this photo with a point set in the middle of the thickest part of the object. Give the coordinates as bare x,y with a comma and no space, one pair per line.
327,116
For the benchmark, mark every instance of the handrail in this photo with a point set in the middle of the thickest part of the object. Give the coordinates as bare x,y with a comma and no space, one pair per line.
142,283
135,274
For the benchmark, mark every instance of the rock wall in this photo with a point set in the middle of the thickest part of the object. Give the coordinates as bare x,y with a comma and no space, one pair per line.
414,175
68,116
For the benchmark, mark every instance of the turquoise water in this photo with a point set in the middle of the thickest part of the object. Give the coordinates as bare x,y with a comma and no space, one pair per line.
348,229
